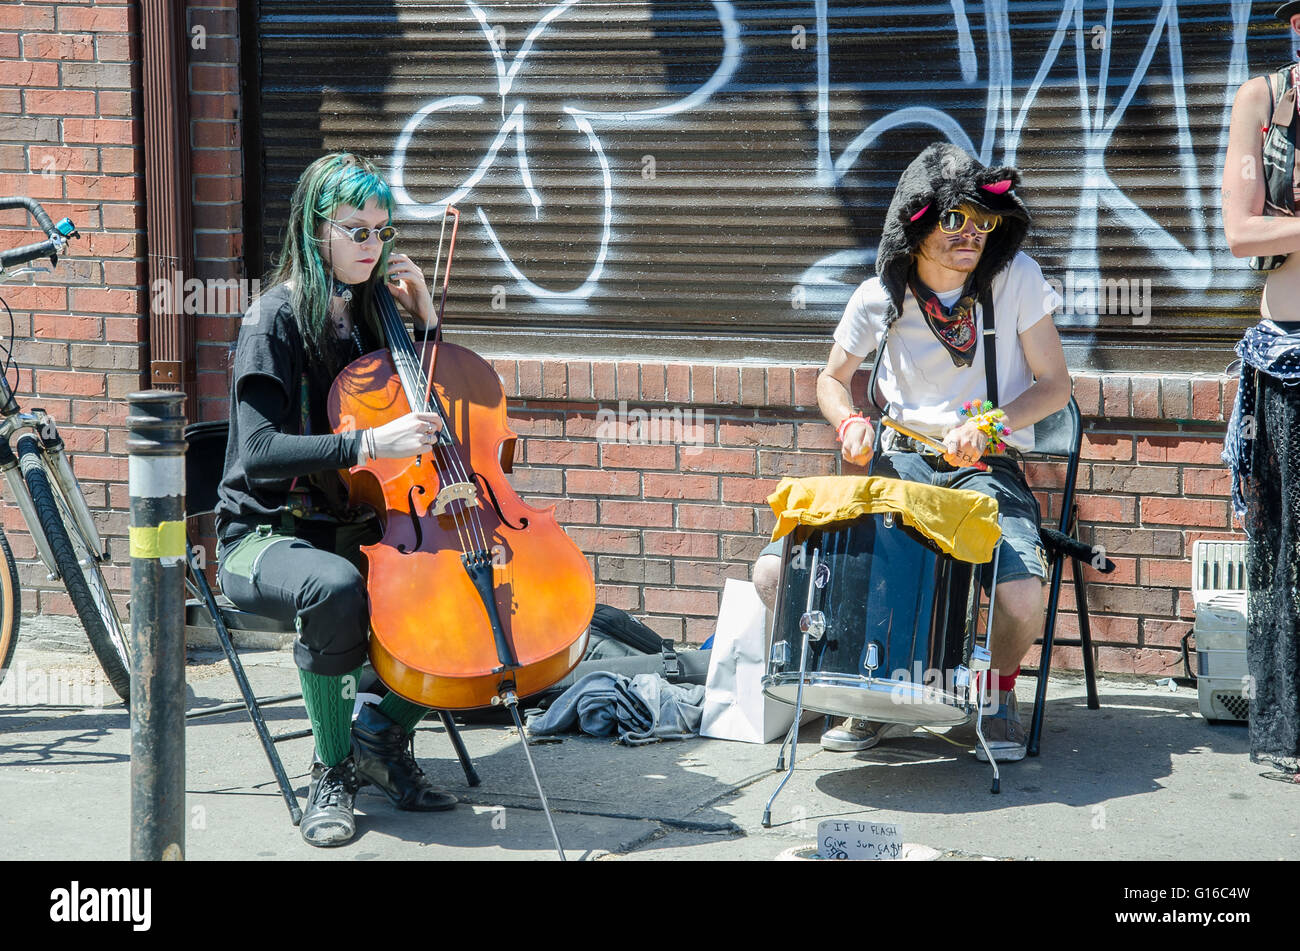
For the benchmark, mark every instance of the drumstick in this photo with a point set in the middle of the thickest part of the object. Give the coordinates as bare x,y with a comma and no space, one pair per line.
926,441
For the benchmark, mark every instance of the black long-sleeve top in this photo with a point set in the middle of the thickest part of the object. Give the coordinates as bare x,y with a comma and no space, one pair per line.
272,442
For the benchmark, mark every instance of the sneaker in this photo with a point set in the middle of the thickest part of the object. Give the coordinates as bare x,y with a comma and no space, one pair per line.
327,821
1003,732
855,735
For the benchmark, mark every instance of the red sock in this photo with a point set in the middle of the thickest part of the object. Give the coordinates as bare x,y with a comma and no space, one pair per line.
1007,682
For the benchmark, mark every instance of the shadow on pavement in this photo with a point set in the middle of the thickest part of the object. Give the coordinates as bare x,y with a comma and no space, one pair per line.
1086,757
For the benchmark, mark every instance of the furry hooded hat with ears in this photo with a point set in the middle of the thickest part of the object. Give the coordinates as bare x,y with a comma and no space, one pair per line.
942,177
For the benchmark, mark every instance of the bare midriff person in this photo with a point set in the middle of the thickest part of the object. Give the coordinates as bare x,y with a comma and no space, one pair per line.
1281,298
1249,229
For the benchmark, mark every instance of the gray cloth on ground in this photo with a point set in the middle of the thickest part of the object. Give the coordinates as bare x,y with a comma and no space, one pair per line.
644,709
600,647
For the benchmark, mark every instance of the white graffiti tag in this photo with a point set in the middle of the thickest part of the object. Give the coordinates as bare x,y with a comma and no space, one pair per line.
1191,267
513,123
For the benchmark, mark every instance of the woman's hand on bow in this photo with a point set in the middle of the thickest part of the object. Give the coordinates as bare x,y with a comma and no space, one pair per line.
407,436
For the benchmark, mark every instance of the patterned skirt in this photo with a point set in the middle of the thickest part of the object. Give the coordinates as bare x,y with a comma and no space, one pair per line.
1273,569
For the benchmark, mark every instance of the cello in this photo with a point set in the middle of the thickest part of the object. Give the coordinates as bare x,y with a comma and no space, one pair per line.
476,598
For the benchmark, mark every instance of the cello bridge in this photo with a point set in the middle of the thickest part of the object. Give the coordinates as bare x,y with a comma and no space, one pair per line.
449,493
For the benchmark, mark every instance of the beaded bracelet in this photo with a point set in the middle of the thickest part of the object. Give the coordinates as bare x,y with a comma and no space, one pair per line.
839,432
989,421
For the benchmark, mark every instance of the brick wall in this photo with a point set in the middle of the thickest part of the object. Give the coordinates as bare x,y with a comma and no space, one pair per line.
666,522
70,136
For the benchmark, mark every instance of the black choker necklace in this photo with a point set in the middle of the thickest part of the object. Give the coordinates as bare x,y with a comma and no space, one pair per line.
339,289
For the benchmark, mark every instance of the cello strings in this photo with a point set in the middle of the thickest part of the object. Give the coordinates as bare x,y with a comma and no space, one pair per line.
466,539
407,362
448,454
403,357
474,523
445,459
449,471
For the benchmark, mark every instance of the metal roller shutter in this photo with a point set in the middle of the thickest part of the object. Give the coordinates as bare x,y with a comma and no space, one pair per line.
707,179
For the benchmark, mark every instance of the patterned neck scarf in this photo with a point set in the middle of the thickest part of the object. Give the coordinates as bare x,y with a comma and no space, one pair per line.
954,327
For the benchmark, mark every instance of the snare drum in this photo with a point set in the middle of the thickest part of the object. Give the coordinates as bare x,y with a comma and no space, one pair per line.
900,620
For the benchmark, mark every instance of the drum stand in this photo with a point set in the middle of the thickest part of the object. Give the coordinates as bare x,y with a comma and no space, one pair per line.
981,661
813,626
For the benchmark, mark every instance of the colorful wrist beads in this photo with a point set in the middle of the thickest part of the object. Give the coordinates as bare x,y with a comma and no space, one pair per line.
989,421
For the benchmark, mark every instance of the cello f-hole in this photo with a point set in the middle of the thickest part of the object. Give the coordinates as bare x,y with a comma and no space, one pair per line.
415,520
487,488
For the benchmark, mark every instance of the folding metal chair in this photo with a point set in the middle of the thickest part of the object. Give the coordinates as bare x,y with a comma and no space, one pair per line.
204,461
1060,436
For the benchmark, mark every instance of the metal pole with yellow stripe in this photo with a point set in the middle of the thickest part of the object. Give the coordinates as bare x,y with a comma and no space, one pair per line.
156,447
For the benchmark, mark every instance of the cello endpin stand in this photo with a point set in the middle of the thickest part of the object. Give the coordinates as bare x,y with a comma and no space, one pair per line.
511,700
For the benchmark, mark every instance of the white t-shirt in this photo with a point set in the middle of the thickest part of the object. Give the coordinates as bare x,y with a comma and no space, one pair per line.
918,378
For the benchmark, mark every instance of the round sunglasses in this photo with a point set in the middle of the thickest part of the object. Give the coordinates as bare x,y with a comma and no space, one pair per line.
953,221
361,235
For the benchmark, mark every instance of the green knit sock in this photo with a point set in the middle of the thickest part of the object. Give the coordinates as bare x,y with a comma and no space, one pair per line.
402,712
329,702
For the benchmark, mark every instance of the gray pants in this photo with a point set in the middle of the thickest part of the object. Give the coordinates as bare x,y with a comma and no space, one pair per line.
313,580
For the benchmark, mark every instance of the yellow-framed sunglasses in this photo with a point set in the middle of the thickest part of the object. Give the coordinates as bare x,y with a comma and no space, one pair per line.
953,221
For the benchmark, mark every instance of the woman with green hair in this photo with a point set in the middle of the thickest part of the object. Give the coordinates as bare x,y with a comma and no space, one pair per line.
288,548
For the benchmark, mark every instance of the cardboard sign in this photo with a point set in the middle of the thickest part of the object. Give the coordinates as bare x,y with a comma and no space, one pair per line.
843,839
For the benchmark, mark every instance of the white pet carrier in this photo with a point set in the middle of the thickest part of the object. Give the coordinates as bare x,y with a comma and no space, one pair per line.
1219,595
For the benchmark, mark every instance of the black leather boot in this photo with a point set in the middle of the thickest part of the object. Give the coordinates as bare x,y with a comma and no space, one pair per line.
385,758
327,821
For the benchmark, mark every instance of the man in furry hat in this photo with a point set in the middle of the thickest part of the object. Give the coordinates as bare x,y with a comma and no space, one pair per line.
950,253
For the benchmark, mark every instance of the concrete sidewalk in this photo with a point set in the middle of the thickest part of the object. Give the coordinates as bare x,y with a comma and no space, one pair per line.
1143,778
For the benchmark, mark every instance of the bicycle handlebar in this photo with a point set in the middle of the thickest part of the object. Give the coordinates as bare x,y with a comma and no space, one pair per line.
29,252
32,205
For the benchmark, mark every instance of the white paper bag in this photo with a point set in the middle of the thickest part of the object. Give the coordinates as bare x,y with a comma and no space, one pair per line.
734,705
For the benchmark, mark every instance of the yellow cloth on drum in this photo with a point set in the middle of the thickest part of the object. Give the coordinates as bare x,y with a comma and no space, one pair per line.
964,524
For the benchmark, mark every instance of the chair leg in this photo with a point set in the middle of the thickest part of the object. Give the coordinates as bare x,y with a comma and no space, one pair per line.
1045,661
453,733
250,699
1085,635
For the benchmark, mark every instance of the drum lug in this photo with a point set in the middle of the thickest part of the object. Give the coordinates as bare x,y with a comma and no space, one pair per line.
872,660
780,654
888,520
813,623
980,658
962,686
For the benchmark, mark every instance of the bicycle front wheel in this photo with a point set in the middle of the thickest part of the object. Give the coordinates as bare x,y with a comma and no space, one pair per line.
10,605
79,567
